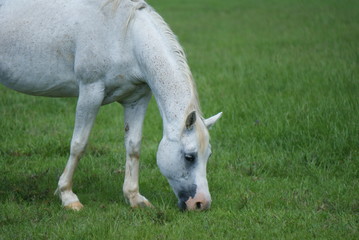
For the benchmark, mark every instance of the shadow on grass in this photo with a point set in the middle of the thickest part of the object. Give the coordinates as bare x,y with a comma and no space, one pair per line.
92,187
32,187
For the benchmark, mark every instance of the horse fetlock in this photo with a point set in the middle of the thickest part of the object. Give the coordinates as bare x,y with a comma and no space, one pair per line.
63,186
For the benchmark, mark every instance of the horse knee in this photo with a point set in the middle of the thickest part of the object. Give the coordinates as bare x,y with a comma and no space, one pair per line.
133,149
77,148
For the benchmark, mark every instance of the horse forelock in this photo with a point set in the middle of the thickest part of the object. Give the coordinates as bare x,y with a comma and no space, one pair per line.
203,136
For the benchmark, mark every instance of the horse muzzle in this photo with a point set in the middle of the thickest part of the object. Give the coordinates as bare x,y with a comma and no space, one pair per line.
199,202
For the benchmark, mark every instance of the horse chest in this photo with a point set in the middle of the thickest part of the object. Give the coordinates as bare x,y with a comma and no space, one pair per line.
125,91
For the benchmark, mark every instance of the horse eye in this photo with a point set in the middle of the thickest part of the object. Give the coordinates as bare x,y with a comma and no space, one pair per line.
190,157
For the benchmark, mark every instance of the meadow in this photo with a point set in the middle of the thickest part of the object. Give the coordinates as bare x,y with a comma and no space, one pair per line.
285,161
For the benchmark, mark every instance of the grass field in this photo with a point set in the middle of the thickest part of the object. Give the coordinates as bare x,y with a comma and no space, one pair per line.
285,161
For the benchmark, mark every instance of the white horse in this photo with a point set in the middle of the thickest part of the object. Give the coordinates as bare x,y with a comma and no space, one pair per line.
105,51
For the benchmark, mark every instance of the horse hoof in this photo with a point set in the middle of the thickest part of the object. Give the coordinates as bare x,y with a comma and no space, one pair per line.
144,203
76,206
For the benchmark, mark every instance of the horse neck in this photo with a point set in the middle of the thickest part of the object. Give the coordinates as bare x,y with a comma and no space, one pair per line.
166,73
175,96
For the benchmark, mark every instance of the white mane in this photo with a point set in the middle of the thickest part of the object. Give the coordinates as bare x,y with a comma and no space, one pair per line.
171,40
178,53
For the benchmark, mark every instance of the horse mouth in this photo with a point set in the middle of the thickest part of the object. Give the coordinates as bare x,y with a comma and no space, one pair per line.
182,205
185,195
198,203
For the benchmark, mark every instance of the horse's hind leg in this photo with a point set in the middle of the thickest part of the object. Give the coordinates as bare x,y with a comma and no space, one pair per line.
89,102
134,116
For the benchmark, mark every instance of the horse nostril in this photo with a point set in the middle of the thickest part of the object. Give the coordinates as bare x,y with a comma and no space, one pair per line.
198,205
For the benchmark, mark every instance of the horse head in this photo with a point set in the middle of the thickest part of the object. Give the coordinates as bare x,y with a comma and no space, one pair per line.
183,162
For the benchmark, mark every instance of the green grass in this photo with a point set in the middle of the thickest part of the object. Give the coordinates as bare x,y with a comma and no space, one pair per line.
285,161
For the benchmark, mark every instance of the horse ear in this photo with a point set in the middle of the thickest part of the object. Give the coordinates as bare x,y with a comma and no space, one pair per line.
209,122
191,119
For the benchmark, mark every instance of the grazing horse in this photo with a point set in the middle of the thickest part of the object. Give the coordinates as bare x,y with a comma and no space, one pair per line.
105,51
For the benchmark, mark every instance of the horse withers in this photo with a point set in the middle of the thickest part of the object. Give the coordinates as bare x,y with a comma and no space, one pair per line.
104,51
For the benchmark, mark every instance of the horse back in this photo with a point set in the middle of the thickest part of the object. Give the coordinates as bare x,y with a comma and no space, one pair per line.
39,43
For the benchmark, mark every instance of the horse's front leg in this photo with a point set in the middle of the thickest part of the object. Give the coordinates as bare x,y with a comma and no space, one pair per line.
89,101
134,116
